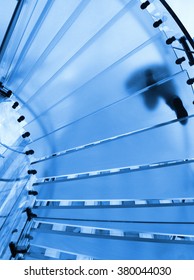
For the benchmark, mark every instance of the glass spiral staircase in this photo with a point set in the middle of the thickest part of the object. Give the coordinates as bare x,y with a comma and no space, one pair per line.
96,132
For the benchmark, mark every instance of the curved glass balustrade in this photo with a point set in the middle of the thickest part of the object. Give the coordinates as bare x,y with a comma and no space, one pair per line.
101,164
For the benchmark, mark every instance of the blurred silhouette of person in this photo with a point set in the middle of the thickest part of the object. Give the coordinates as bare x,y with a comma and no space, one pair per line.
150,78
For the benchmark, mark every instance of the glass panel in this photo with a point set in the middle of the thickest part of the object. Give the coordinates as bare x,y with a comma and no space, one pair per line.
103,247
160,214
136,149
160,183
184,229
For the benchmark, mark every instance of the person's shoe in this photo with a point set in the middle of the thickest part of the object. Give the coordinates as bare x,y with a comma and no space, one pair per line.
180,110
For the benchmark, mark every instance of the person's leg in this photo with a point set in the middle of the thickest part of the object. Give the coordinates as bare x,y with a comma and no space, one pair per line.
176,104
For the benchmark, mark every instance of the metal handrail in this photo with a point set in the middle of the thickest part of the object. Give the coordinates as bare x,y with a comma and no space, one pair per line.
11,27
179,23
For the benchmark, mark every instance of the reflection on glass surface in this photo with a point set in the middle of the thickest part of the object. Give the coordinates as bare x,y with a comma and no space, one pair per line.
96,140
